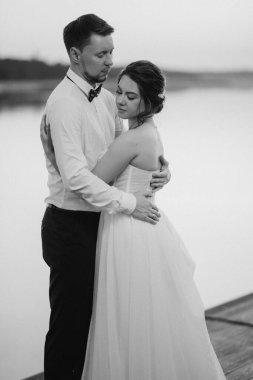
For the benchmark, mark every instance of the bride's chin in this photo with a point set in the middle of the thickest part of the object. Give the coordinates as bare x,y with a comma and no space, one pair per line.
121,115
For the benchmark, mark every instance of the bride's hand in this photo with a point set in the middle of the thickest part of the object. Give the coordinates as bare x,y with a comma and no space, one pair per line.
47,143
162,178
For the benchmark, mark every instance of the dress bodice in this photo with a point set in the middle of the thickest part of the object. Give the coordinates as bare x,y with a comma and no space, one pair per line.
133,179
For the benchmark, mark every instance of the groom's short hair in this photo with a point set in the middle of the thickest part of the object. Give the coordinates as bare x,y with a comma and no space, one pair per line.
77,33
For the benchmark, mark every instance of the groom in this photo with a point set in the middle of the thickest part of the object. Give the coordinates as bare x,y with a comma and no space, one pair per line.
83,122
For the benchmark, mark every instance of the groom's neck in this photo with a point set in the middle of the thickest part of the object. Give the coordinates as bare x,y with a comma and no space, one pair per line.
78,72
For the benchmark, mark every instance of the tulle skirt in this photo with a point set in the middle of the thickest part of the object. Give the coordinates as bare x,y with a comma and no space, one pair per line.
148,319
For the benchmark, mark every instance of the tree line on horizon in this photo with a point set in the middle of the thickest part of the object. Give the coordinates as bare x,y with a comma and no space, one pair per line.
34,69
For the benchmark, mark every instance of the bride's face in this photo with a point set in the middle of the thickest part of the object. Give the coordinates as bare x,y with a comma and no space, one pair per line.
128,99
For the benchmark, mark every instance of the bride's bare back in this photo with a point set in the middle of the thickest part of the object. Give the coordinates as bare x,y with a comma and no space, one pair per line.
150,147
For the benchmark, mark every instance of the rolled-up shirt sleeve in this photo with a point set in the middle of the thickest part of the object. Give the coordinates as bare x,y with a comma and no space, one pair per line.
66,131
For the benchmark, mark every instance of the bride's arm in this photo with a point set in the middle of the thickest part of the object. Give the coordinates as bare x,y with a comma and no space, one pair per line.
120,153
123,150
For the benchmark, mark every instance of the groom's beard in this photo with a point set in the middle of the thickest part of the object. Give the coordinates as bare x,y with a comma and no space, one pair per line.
102,76
99,78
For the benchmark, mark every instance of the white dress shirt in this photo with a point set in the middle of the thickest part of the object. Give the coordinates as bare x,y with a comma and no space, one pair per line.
81,132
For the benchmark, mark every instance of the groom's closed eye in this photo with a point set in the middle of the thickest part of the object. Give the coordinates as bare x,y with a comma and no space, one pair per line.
101,55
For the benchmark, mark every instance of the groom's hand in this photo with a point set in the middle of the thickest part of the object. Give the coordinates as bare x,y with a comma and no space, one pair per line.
145,210
162,178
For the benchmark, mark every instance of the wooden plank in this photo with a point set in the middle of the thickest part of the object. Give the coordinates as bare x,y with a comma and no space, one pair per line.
231,331
242,373
234,347
239,310
230,326
39,376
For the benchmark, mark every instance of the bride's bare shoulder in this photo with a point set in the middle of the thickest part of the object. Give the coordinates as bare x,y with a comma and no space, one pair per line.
145,135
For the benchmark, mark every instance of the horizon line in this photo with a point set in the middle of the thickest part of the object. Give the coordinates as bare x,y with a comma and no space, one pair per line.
121,65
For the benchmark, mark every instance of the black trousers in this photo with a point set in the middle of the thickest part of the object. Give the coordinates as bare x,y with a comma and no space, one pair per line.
69,247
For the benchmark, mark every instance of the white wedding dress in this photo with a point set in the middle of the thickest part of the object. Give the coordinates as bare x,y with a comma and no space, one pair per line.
148,319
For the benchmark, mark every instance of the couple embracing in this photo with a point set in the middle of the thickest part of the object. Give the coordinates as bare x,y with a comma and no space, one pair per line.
124,305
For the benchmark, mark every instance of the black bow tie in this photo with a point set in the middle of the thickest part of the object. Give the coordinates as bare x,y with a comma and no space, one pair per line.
93,93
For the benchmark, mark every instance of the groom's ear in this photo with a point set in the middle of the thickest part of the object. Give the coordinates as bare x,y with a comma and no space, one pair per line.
74,54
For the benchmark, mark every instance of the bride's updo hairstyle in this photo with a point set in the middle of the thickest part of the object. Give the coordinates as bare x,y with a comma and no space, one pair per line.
151,84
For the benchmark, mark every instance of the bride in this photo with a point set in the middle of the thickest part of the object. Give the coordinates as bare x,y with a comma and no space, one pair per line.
148,320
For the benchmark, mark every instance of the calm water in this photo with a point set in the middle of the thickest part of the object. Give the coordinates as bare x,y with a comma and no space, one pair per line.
208,139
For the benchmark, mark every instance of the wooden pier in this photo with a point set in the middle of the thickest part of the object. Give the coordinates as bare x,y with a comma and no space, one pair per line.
231,330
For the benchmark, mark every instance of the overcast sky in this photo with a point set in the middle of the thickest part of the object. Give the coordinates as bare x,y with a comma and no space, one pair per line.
180,34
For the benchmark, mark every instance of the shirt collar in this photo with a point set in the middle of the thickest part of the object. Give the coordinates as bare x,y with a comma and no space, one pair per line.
80,82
